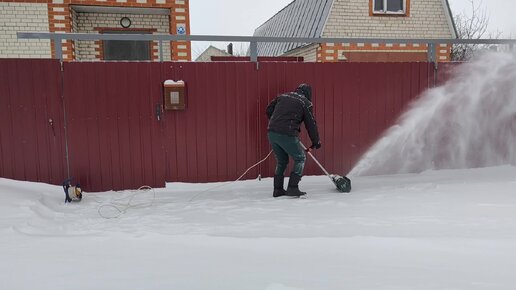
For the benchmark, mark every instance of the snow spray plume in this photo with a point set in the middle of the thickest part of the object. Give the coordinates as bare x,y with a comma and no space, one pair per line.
468,122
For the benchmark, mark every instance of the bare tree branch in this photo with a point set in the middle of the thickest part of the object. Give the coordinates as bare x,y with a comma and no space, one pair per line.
473,26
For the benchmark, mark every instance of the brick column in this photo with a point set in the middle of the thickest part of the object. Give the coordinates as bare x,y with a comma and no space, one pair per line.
443,52
60,21
180,21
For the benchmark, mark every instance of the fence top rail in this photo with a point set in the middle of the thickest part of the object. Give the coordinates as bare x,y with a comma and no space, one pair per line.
225,38
253,40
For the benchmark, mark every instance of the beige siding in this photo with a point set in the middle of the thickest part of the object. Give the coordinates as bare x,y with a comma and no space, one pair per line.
309,53
350,18
23,17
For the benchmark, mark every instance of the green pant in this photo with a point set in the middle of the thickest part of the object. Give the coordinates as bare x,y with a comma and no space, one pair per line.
283,147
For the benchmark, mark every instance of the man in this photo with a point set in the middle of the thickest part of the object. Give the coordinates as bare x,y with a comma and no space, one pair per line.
286,113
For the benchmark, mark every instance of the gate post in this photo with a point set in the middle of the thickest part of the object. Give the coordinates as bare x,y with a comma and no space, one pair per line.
253,49
58,47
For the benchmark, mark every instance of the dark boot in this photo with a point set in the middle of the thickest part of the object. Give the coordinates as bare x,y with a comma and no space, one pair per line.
278,186
293,188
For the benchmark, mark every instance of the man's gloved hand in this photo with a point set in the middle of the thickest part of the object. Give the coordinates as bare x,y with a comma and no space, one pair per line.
316,145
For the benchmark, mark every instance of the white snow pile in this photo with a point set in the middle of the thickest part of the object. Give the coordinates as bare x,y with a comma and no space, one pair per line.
448,229
172,82
468,122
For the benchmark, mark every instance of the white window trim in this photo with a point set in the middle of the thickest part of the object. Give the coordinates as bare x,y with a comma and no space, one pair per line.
383,12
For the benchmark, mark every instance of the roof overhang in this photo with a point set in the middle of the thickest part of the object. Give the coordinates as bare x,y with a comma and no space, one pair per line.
449,19
120,10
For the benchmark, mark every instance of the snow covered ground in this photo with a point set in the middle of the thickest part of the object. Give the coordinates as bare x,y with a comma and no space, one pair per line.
447,229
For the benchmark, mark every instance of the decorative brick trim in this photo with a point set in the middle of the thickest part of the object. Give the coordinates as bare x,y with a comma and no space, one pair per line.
337,51
444,53
60,25
27,1
99,49
181,9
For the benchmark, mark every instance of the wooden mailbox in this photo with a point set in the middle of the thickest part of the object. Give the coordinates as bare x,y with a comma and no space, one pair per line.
175,95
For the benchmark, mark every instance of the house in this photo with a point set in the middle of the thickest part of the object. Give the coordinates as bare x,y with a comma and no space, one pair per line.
211,51
94,16
394,19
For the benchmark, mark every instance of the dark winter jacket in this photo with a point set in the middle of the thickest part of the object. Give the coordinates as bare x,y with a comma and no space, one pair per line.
287,111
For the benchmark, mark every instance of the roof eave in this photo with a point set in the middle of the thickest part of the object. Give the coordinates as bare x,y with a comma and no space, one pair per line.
451,21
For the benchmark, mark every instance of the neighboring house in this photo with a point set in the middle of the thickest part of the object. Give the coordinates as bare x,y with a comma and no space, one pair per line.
395,19
94,16
211,51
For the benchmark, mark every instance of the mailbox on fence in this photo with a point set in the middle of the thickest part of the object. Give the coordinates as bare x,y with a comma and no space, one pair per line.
175,95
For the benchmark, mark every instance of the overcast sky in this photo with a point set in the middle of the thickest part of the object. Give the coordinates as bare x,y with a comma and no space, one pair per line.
229,17
242,17
500,12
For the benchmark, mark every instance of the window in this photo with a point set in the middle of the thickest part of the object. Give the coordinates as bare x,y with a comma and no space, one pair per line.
389,6
126,49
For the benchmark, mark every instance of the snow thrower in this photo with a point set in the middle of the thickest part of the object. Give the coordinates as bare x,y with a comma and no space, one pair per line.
342,183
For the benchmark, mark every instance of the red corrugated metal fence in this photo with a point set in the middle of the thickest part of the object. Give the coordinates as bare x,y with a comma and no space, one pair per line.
32,143
118,137
114,139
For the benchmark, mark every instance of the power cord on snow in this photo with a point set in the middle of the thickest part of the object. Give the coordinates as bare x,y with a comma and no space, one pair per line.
122,208
225,184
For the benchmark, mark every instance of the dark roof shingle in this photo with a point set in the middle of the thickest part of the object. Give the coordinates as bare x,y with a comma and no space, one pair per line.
301,18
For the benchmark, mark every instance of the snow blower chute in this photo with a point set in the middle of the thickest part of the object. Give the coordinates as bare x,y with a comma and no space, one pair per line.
342,183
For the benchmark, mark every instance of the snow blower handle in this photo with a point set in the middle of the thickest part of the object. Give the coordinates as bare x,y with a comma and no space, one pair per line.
308,150
342,183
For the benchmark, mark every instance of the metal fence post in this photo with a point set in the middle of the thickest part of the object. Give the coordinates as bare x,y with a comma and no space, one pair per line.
432,58
431,52
254,51
58,47
160,50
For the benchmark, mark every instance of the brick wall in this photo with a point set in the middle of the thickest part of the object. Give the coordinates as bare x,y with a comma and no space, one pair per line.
96,22
58,16
351,18
309,52
16,17
354,18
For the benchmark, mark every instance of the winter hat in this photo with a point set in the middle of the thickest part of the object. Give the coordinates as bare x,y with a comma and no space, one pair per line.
305,90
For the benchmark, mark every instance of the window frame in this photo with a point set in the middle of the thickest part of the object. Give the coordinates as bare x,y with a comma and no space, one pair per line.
107,30
405,12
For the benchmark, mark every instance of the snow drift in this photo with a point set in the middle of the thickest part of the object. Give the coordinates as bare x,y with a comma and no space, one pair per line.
469,122
448,229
